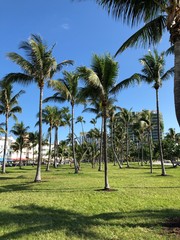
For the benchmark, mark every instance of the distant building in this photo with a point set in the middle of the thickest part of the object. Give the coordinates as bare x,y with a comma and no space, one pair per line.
154,130
27,153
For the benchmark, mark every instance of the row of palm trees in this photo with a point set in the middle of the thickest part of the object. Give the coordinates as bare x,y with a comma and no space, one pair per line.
98,91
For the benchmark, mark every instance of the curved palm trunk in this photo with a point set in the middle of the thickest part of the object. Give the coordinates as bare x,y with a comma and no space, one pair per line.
5,145
73,145
176,79
38,170
159,136
105,150
49,156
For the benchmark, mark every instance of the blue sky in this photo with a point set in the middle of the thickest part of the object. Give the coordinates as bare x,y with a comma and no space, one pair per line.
79,29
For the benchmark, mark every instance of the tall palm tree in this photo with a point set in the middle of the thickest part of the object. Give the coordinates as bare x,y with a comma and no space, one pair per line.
146,116
101,80
112,116
157,16
20,130
33,141
48,116
153,72
8,107
67,90
39,66
58,122
81,120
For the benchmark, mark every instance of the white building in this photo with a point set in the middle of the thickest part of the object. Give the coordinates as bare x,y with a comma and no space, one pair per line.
27,153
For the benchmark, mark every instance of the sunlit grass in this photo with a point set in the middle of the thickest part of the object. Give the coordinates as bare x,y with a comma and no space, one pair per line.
72,206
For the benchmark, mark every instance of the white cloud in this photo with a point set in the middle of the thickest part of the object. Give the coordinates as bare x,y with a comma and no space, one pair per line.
65,26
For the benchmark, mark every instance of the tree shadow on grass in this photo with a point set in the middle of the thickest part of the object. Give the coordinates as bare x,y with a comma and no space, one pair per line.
16,187
41,220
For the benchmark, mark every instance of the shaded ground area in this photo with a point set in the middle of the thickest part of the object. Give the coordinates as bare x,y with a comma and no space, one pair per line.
173,226
36,219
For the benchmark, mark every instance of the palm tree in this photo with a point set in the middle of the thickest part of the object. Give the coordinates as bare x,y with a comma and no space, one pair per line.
48,116
21,131
154,72
157,16
112,116
100,80
58,122
33,141
8,107
38,67
146,116
67,90
81,120
126,117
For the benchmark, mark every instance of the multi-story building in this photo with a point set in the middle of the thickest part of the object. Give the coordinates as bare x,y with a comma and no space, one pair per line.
27,153
154,129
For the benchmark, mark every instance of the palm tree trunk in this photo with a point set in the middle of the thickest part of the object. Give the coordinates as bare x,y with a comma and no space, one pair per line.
101,146
127,146
176,79
142,153
5,145
55,146
73,145
49,156
38,170
105,150
150,151
20,157
113,148
159,136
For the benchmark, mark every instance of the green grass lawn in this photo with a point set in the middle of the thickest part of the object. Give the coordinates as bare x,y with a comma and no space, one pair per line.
70,206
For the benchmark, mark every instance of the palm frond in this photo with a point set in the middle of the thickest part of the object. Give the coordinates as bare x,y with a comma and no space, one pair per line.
150,33
18,77
64,63
133,11
134,79
168,74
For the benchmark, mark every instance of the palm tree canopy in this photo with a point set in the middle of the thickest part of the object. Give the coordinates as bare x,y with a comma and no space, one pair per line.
66,88
39,64
154,68
8,101
19,129
153,16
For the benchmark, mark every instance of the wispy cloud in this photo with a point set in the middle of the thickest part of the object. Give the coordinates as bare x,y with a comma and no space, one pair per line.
65,26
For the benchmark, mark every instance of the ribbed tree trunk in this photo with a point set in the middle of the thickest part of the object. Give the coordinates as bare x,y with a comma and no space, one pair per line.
38,170
73,144
5,145
159,135
106,187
